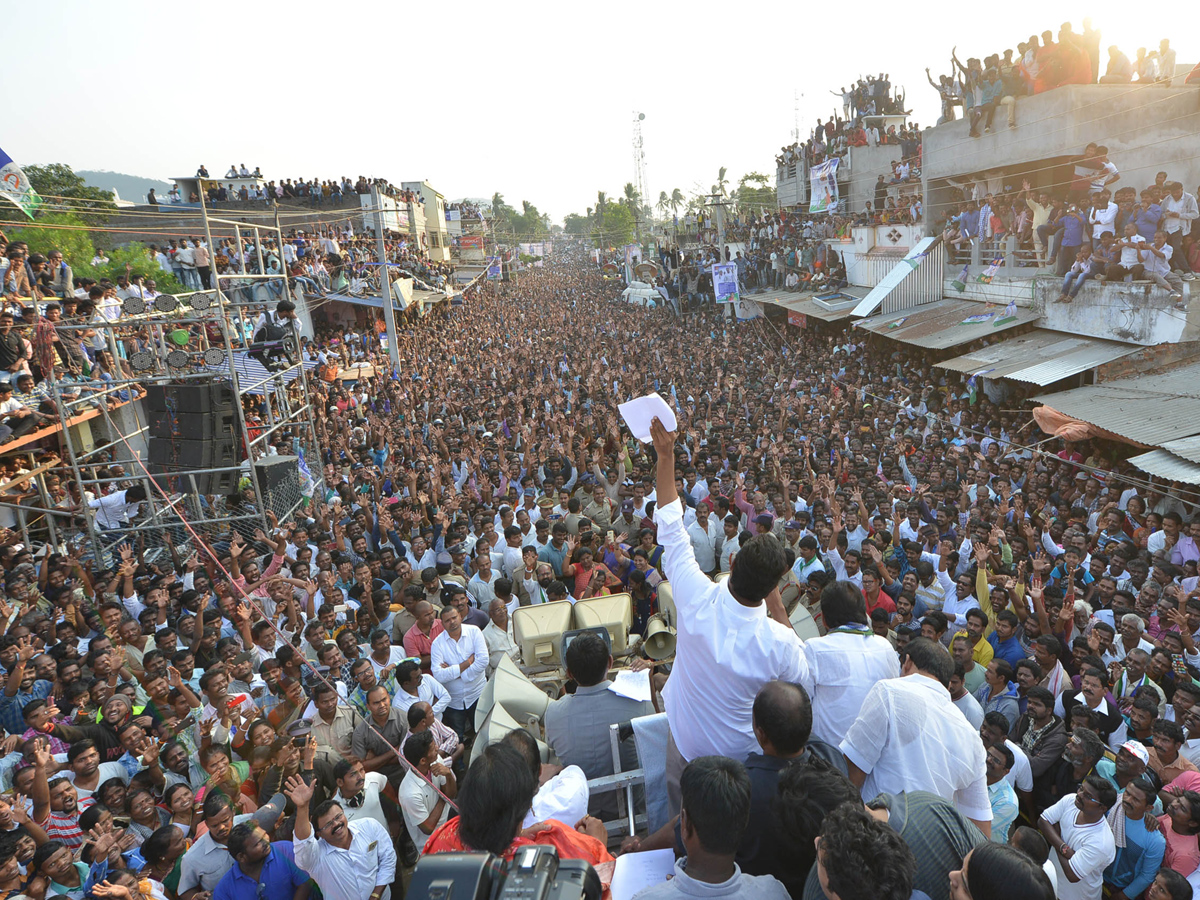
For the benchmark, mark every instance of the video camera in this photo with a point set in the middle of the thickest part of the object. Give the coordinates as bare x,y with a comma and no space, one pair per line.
534,873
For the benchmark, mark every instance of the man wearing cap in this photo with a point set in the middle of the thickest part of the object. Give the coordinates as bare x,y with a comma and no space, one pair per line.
628,522
458,558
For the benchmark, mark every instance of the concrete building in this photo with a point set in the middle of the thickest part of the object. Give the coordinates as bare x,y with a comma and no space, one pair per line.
435,230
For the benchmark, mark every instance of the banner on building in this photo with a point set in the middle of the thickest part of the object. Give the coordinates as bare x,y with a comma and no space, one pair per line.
747,309
16,187
633,255
725,282
800,320
471,242
453,215
823,187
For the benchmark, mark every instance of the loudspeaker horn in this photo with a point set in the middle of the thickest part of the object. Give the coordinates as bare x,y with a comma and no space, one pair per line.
495,726
659,640
510,688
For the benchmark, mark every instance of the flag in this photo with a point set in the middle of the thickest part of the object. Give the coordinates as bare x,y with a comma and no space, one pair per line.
990,272
960,283
1009,315
971,396
307,484
16,187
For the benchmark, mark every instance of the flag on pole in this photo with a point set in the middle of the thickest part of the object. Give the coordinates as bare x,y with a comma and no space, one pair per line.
971,395
16,187
960,283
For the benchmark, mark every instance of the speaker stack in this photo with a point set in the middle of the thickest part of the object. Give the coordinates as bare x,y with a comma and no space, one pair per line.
193,426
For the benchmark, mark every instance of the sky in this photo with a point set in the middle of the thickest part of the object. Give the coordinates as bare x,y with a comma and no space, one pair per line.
534,100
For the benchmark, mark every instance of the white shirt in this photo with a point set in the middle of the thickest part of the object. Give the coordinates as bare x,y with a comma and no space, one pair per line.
500,641
107,770
1093,846
353,873
909,737
1020,775
465,686
842,668
112,511
725,653
417,800
373,785
429,691
564,797
396,655
704,543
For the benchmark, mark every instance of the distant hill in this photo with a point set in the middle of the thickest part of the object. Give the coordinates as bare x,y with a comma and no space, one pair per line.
128,187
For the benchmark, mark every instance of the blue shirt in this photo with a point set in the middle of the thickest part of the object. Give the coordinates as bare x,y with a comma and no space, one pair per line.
278,880
1135,865
1147,220
1072,225
11,719
1009,650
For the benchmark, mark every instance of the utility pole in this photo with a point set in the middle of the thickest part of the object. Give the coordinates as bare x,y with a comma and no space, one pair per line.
385,281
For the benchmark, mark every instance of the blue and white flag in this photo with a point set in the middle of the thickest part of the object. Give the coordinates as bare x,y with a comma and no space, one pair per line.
16,187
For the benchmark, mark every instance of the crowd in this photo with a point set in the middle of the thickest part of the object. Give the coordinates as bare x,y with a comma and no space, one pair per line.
834,137
318,192
982,88
999,705
1092,230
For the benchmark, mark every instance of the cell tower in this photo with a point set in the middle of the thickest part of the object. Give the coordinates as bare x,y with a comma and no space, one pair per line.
639,158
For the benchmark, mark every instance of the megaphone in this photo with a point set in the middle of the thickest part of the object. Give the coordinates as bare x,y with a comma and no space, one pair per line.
510,688
659,640
495,726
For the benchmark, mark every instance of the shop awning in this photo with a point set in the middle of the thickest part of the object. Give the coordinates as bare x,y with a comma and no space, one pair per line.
1040,357
826,307
947,323
1151,410
1164,464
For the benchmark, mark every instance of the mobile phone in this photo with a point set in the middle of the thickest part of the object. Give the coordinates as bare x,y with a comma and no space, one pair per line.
299,742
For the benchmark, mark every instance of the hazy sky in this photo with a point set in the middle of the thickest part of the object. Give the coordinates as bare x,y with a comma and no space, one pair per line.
535,99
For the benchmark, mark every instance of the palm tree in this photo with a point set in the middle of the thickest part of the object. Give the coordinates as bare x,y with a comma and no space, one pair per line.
722,181
631,196
663,203
676,200
601,203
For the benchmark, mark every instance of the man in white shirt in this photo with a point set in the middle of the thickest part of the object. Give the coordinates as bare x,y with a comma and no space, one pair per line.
1156,263
909,736
348,860
498,636
425,806
1179,210
1129,262
705,535
458,659
844,664
1103,217
359,791
415,686
1081,842
727,647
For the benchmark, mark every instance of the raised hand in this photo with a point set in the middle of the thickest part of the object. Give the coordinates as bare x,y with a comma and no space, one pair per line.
297,791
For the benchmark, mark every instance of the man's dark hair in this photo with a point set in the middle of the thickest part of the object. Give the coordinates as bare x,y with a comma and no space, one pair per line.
783,711
1172,731
1011,866
417,745
864,857
494,797
323,810
842,603
524,742
215,802
587,659
929,658
79,748
1105,792
404,671
1042,695
1050,644
757,568
997,719
715,797
808,789
1177,885
239,838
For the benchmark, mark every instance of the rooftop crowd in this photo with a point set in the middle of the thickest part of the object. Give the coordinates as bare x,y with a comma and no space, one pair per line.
1000,703
981,88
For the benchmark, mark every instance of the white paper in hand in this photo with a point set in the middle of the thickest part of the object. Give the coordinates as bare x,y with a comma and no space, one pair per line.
637,871
640,412
631,684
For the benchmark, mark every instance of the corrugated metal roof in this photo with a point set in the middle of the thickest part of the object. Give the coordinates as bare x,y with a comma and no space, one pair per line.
946,323
1167,465
1188,448
1150,409
1040,357
903,269
806,304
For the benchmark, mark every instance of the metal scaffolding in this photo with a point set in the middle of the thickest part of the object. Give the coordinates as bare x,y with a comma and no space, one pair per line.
200,338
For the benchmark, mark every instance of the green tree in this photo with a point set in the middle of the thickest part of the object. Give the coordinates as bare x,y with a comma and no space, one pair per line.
577,224
754,192
617,226
132,259
61,187
676,200
56,231
631,197
502,213
722,184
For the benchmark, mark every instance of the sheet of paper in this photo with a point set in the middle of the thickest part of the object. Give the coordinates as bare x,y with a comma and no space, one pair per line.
634,685
637,871
639,412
